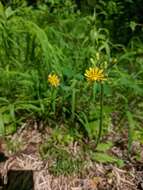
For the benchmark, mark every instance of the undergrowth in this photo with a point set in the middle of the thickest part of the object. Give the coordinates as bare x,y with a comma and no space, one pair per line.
38,42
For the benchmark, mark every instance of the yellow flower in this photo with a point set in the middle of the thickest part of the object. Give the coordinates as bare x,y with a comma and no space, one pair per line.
94,74
53,80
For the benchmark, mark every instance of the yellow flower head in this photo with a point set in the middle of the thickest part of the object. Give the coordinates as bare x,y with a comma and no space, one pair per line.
53,80
94,74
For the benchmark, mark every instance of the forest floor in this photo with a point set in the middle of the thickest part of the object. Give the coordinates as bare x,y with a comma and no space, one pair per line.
23,152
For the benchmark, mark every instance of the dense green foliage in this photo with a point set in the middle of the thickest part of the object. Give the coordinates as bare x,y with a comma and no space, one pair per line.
66,38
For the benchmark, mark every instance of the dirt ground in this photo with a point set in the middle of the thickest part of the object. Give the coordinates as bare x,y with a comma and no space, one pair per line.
95,176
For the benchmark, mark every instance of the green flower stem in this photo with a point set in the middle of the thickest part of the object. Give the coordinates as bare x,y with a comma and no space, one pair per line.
73,103
94,91
101,115
73,100
54,94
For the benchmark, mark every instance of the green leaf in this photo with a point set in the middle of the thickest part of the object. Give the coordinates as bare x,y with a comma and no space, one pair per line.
140,105
104,146
133,25
6,118
2,129
105,158
10,129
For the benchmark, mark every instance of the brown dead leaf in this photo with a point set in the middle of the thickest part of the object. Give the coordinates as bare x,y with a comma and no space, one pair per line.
93,183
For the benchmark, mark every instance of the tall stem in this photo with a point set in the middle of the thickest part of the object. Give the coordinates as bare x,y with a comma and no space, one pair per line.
73,103
94,89
101,115
54,94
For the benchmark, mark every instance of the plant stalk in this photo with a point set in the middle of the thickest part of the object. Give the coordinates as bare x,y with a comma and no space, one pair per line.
73,103
54,94
94,89
101,115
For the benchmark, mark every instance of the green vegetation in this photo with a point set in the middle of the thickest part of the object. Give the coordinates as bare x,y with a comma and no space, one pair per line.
65,39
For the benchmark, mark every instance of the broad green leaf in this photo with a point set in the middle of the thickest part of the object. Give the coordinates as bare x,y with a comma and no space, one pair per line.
104,146
105,158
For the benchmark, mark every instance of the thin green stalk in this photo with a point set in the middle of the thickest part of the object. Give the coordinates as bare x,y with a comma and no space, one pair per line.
131,125
27,48
73,100
73,103
101,115
94,91
2,128
54,94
